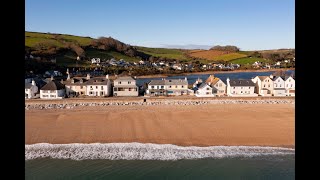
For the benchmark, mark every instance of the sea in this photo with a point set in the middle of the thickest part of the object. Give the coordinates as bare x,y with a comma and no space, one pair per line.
149,161
223,76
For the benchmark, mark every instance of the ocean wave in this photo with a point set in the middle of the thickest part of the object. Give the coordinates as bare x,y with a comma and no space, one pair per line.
148,151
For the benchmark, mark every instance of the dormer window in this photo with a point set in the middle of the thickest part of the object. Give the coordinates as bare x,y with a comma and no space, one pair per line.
119,82
129,82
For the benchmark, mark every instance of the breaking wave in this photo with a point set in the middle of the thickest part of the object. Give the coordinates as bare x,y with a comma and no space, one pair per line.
148,151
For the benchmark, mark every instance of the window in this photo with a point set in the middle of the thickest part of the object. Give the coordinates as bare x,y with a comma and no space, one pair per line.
207,93
169,86
241,92
276,85
90,87
101,87
278,80
249,87
289,80
241,87
287,85
90,92
207,88
52,95
119,82
129,89
269,85
264,85
129,82
234,92
291,85
152,87
81,87
181,86
234,87
96,87
176,86
45,96
115,89
268,80
162,87
280,85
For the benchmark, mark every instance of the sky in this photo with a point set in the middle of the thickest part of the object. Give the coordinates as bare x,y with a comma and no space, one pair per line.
248,24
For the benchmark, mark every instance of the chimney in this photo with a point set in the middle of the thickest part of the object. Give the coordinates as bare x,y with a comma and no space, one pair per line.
68,78
209,83
51,77
88,76
185,78
135,77
67,70
72,80
107,76
271,76
33,82
61,81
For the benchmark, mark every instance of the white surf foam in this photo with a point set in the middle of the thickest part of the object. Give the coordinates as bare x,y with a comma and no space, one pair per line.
148,151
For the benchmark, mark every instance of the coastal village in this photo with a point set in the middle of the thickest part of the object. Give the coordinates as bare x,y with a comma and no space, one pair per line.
57,87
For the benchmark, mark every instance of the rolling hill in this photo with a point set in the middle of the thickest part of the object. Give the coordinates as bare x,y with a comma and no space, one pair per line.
65,48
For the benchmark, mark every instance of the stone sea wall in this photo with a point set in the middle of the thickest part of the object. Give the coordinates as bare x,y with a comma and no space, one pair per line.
153,102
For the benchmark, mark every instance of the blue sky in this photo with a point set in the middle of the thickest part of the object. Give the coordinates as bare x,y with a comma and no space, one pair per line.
248,24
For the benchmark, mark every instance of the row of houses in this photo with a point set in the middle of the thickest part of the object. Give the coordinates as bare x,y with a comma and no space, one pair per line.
126,86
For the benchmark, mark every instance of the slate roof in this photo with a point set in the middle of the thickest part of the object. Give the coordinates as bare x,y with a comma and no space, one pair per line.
176,82
53,85
157,82
241,82
263,77
98,81
77,81
213,80
202,85
125,78
27,85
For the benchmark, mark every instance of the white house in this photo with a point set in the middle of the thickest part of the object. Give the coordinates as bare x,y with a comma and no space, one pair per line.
52,90
240,87
98,86
263,85
204,90
31,90
125,86
219,88
95,61
279,86
289,84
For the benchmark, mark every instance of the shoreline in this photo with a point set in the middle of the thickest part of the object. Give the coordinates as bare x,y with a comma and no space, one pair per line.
212,72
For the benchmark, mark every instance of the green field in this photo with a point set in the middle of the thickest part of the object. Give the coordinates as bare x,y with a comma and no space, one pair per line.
33,38
229,57
95,53
248,60
163,52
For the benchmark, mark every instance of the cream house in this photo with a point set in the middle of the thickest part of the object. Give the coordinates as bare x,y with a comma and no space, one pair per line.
279,86
98,86
263,85
76,86
289,84
240,87
177,86
168,87
31,90
219,88
52,90
125,86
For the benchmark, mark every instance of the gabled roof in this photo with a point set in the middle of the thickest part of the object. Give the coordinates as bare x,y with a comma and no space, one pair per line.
241,82
98,81
213,80
203,85
125,78
176,82
77,81
27,85
263,77
276,77
53,85
157,82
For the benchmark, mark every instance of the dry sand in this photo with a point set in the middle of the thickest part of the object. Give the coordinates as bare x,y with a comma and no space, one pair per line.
204,125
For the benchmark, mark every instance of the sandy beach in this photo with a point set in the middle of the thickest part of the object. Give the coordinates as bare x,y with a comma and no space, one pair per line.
203,125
